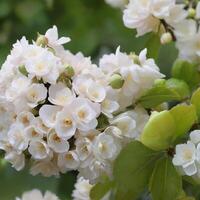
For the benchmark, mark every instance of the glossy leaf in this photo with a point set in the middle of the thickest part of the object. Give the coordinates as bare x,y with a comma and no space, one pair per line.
195,100
184,117
153,45
172,89
159,130
132,170
165,182
186,71
101,189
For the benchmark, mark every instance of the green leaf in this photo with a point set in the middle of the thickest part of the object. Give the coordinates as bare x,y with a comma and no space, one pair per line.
195,100
179,86
153,46
101,189
163,91
166,183
132,170
159,130
186,71
184,117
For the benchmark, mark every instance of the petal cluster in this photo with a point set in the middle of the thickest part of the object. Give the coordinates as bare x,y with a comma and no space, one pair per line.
61,112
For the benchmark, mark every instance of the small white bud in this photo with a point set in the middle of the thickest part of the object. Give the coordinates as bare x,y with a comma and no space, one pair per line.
166,38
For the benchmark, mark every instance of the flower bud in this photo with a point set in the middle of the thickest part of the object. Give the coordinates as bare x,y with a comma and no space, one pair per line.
135,58
116,81
166,38
69,71
191,13
23,70
41,40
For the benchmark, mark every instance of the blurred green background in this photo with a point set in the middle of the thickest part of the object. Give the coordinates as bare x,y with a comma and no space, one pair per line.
95,28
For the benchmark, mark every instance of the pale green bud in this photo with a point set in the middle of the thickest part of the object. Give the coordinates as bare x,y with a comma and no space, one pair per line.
116,81
69,71
135,58
23,70
41,40
191,13
166,38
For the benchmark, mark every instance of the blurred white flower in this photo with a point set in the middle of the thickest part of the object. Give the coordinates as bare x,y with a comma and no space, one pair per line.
82,189
185,157
52,38
37,195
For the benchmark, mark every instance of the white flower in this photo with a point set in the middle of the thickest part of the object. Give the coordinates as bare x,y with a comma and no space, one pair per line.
85,113
106,147
52,37
137,15
26,118
58,144
17,88
131,123
112,63
139,78
126,124
188,40
48,115
33,133
96,92
108,107
35,94
37,195
41,126
68,161
195,136
84,150
16,159
65,125
82,189
39,150
60,95
43,65
17,138
185,157
145,15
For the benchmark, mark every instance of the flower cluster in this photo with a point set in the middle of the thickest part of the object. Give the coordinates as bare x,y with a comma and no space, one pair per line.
61,112
147,16
187,156
171,19
37,195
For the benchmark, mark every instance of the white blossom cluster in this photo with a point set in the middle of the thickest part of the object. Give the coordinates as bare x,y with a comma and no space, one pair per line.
187,156
54,105
146,15
171,19
188,37
37,195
